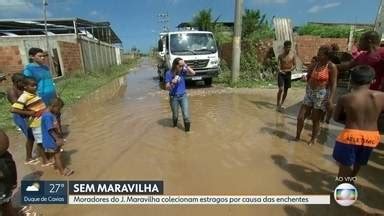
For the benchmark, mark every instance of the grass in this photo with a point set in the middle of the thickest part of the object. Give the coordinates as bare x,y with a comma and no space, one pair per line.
73,88
224,79
5,116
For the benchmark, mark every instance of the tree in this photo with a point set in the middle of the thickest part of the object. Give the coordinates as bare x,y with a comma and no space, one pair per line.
203,20
255,25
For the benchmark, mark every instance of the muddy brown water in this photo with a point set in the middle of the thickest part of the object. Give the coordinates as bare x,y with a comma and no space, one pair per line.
238,146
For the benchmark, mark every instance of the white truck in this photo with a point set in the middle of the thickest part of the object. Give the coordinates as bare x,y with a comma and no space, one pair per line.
197,48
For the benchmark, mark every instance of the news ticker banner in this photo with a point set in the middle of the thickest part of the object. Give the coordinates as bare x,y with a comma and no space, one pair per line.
143,193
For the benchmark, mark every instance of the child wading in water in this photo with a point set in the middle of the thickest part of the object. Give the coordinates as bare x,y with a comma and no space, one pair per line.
287,64
13,94
359,111
31,105
52,139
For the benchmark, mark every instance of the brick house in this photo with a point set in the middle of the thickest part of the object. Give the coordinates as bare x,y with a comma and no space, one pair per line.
76,45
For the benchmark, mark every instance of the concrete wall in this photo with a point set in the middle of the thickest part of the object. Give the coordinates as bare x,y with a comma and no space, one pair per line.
118,55
74,54
97,55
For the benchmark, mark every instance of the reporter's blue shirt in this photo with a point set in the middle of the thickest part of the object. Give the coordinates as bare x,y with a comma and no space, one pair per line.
177,89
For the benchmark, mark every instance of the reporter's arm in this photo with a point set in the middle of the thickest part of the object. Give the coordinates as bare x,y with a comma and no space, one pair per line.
189,70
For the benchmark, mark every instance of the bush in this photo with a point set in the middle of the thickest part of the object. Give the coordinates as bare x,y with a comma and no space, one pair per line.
252,69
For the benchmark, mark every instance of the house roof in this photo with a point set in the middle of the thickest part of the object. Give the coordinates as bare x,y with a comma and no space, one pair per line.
100,30
187,24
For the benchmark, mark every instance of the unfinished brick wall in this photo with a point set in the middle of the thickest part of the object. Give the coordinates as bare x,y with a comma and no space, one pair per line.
225,53
10,61
262,50
307,46
71,57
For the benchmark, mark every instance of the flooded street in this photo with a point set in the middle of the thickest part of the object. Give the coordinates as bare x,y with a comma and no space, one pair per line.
238,145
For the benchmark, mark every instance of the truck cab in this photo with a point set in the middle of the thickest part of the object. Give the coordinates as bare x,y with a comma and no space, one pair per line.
197,48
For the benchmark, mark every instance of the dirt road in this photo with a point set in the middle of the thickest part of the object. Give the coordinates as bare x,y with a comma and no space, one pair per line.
238,145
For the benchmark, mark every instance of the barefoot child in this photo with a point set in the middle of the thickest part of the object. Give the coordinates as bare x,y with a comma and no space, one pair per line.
31,105
13,94
287,64
359,111
8,176
52,139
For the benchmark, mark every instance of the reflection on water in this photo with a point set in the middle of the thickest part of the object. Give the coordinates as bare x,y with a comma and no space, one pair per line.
238,145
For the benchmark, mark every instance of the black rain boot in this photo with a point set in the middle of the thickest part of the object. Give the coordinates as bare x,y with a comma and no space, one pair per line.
187,126
174,122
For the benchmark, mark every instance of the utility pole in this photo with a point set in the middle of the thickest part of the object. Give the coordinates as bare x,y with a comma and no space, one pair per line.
379,23
163,20
351,40
45,5
237,41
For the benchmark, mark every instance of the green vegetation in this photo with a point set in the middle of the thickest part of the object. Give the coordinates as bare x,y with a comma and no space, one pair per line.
253,72
255,27
72,88
222,34
225,77
203,20
329,31
255,69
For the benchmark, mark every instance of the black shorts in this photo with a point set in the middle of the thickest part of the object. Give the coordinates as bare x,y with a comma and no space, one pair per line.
284,80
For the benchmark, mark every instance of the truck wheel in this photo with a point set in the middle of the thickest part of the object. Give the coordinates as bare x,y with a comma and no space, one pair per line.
208,82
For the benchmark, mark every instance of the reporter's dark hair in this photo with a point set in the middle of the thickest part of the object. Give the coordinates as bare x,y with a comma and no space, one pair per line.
175,63
33,51
362,75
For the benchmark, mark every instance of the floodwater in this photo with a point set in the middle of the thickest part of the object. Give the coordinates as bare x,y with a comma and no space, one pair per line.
238,146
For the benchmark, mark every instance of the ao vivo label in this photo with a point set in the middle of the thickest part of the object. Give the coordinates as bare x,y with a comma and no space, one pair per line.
346,179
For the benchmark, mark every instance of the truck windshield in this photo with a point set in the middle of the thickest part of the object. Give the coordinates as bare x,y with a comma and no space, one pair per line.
192,44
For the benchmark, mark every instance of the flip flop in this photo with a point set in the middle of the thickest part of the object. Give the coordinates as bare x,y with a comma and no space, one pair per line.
32,162
48,164
67,172
25,210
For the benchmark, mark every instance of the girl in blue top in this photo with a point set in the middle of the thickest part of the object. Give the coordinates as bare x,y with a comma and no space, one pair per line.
175,83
